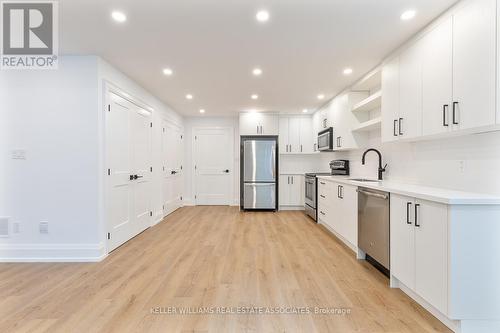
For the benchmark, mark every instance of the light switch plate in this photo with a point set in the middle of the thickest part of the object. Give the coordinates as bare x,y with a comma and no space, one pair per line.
18,154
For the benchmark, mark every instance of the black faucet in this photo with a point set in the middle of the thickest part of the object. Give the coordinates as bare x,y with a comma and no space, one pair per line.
380,169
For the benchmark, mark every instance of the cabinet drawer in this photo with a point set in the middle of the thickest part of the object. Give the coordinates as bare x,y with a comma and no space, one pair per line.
324,188
324,214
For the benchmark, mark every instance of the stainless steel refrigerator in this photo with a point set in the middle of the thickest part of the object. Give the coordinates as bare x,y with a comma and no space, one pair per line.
259,169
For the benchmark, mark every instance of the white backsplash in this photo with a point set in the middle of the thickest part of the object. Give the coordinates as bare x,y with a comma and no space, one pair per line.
468,163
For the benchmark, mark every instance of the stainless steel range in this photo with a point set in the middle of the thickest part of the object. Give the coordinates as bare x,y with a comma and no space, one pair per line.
338,168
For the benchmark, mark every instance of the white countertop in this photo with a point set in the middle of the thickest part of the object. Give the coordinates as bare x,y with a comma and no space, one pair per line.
449,197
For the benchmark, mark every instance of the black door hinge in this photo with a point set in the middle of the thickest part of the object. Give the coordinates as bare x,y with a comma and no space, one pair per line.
151,124
109,235
150,213
181,137
181,198
109,107
109,172
151,169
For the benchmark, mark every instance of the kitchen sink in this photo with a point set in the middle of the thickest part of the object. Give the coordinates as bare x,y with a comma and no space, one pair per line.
364,180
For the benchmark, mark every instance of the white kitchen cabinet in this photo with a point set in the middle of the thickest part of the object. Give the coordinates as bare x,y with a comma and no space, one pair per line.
306,137
390,100
419,248
409,124
437,78
291,190
344,120
255,123
402,95
474,64
338,209
295,135
316,128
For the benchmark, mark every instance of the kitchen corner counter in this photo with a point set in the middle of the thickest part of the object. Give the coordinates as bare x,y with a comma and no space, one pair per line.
449,197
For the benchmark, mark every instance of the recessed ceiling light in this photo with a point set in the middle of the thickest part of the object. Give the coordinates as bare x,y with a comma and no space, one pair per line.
348,71
257,71
255,96
262,16
189,96
168,71
321,96
202,110
305,110
119,16
408,15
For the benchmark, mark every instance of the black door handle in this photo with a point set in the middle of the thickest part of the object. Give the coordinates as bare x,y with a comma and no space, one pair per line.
395,123
131,177
400,126
408,204
455,122
445,111
416,216
137,177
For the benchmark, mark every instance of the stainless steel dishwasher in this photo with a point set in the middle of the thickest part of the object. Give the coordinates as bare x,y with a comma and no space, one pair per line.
373,225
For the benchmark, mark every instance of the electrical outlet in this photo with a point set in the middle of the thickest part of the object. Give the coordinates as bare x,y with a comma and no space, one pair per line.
44,227
16,227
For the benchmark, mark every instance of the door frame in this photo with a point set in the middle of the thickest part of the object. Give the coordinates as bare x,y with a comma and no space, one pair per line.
194,161
110,88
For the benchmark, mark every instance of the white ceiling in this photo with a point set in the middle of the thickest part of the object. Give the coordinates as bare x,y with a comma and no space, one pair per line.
213,45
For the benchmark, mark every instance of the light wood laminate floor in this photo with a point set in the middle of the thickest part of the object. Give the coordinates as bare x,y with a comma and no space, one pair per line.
211,256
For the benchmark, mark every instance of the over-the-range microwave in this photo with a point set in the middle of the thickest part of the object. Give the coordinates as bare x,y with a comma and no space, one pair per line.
325,139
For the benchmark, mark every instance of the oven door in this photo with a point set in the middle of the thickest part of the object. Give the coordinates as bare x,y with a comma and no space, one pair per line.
325,139
310,192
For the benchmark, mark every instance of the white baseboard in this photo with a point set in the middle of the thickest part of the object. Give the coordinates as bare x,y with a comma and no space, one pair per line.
52,252
453,325
291,207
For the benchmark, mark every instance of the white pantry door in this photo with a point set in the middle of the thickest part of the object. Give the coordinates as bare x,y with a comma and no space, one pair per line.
128,149
172,148
213,166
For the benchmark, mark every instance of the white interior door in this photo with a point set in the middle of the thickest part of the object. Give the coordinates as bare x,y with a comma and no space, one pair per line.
128,148
172,147
141,159
213,166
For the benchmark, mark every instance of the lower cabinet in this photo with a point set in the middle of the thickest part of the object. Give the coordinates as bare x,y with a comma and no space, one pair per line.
291,190
419,248
338,209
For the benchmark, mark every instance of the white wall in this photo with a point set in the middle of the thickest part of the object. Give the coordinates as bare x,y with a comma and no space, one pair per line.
56,117
199,122
52,115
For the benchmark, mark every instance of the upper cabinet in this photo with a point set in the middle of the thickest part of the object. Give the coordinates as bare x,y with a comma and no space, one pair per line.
390,100
296,135
344,120
445,81
254,123
474,65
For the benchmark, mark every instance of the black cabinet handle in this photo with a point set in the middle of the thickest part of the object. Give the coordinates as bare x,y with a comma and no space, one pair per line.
137,177
321,195
455,104
131,177
445,111
400,126
226,171
341,192
408,205
395,123
321,213
416,215
173,172
338,191
322,183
